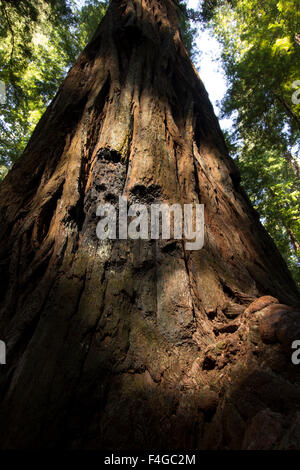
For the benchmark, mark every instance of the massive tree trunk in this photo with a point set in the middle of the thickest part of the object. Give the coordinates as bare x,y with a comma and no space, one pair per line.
134,343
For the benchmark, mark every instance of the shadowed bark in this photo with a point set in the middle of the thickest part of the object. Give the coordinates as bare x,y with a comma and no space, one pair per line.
137,344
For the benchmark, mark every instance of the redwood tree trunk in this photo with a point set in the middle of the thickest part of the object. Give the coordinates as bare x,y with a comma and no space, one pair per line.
122,344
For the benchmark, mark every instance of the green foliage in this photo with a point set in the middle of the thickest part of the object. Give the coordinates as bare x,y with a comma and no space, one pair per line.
261,59
88,19
187,31
40,40
274,189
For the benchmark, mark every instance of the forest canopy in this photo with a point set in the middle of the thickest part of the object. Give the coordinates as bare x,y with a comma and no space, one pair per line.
260,54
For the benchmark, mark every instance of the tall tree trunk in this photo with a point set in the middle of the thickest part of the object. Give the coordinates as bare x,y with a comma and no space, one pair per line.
289,111
293,163
121,344
294,242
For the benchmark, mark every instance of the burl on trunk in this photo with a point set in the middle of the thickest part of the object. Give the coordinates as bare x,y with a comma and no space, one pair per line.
133,343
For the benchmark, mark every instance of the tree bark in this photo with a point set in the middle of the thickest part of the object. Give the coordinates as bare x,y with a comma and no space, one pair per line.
135,344
294,242
289,111
293,163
